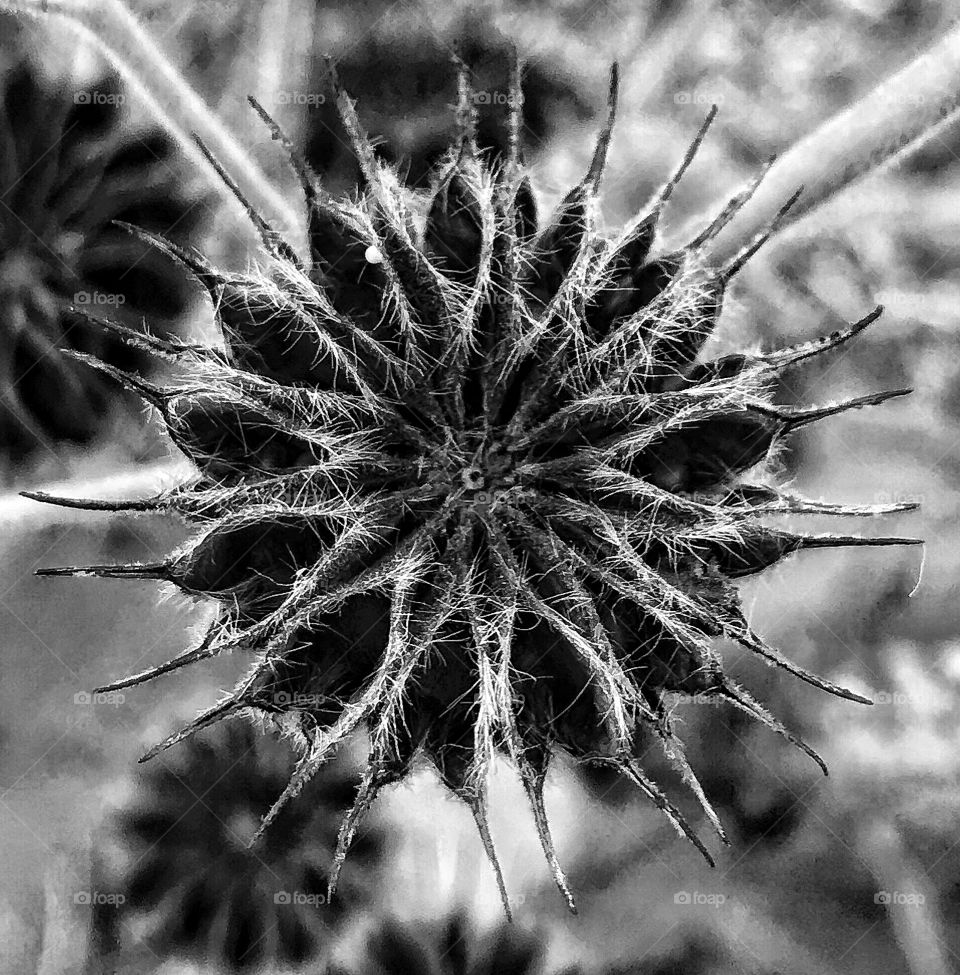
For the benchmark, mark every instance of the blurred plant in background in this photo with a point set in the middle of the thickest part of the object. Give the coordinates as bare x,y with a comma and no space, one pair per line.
449,946
73,161
193,889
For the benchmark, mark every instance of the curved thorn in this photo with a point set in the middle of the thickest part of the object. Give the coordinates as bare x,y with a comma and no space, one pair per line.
154,395
91,504
533,785
852,541
599,160
476,805
182,659
349,825
217,713
797,418
738,260
634,772
667,190
195,263
309,181
272,241
752,642
733,206
144,570
744,700
796,353
171,348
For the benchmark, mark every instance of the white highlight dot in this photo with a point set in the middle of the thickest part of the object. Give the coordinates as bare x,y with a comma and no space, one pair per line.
372,255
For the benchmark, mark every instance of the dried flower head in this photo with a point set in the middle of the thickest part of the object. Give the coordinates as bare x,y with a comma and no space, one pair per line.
73,162
194,889
451,947
464,480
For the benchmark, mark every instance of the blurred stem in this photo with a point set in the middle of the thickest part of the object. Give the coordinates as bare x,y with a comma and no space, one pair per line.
911,898
899,116
178,106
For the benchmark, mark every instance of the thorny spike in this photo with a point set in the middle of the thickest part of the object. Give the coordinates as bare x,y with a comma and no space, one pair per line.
362,147
197,265
675,752
271,239
533,785
738,260
744,700
188,656
168,348
514,118
797,418
852,541
349,825
599,161
93,504
796,353
734,205
477,807
134,570
663,196
752,642
154,395
466,108
217,713
309,181
635,773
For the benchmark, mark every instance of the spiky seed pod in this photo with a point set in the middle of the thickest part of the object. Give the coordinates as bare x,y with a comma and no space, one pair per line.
73,163
195,890
502,506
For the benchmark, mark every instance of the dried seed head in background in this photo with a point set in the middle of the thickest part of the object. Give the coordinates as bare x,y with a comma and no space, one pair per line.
192,886
72,163
464,480
449,948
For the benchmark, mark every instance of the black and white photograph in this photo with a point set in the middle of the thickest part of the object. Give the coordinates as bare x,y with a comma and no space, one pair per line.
480,487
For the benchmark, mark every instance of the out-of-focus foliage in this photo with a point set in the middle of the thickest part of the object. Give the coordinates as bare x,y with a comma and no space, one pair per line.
74,160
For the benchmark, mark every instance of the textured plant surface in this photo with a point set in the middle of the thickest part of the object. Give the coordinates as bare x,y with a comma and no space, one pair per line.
194,889
464,479
72,164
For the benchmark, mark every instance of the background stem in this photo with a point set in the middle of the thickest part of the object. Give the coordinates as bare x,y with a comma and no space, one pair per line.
909,109
116,31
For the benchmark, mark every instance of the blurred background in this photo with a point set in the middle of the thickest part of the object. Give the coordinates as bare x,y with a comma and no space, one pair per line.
111,866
